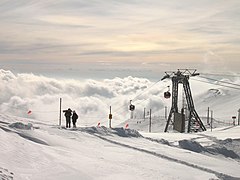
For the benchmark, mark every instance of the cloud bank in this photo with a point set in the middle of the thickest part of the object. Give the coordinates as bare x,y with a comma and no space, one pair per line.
92,99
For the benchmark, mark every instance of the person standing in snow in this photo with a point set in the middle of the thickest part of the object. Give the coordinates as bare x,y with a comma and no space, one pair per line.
74,118
68,114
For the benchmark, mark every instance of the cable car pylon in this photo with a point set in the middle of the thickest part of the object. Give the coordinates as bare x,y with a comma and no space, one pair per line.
181,76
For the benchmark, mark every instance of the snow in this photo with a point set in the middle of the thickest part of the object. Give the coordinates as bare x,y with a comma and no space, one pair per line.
47,151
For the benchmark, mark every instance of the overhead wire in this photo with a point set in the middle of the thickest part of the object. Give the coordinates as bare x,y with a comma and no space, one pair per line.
216,84
221,81
136,105
147,89
220,122
224,75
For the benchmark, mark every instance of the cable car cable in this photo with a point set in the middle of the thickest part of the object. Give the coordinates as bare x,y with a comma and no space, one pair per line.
146,90
138,95
220,81
216,84
212,74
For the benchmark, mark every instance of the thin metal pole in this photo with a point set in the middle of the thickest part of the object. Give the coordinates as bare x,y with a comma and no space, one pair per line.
110,123
165,112
144,111
211,119
208,116
238,116
150,121
60,112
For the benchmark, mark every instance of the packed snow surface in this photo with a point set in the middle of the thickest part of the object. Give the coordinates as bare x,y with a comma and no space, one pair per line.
33,150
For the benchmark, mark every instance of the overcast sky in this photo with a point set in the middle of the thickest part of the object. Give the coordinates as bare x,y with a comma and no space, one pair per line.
119,35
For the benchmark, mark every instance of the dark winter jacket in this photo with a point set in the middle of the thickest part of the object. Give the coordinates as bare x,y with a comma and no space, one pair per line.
74,117
68,113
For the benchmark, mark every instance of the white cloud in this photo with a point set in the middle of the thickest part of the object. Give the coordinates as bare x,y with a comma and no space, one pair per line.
92,99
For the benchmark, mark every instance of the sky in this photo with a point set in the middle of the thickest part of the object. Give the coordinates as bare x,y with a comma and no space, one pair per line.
97,38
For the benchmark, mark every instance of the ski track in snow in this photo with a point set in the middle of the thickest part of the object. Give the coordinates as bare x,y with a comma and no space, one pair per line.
218,174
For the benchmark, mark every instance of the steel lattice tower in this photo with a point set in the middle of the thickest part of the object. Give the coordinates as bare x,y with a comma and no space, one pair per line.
182,77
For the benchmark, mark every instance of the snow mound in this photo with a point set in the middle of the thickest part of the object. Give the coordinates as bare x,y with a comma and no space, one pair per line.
95,130
5,174
228,148
161,141
191,145
111,131
126,132
232,144
223,151
19,125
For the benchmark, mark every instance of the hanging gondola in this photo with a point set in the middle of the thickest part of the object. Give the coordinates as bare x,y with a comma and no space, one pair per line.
131,106
167,94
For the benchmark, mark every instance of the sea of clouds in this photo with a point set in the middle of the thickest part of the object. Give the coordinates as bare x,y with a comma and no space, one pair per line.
22,93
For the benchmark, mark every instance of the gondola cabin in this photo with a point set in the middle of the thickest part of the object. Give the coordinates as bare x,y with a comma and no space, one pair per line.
167,94
131,107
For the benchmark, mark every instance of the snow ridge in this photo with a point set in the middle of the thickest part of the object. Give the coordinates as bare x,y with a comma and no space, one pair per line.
109,131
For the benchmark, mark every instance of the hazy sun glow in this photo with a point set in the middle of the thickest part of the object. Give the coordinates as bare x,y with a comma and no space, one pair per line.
122,31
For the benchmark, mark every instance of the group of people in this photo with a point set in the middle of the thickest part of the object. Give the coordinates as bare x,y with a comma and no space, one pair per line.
69,114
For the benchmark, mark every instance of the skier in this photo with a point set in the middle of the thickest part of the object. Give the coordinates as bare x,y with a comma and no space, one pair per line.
68,114
74,118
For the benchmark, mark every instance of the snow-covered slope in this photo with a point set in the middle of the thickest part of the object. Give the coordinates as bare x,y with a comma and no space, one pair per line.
223,101
33,150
